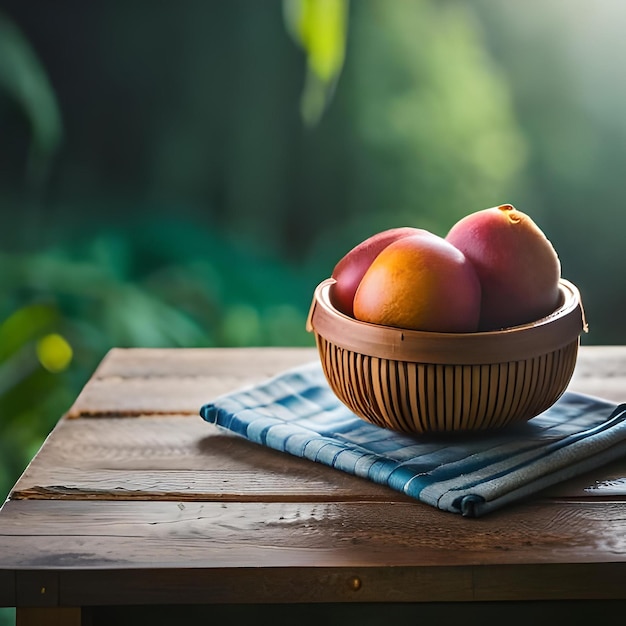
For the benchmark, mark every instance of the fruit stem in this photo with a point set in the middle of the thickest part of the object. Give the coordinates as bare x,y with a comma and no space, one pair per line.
512,213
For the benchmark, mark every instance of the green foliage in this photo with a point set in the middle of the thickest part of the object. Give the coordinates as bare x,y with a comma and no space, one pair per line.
167,284
24,80
422,127
320,27
564,73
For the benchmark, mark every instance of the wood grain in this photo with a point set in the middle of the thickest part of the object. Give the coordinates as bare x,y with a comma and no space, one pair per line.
182,457
161,381
172,455
135,499
601,371
177,458
460,559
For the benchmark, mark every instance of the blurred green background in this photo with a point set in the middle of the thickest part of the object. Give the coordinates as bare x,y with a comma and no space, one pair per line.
185,173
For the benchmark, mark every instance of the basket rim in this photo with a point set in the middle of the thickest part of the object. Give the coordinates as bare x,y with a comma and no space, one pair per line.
516,343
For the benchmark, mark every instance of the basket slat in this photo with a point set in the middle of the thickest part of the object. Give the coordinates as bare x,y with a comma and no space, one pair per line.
423,397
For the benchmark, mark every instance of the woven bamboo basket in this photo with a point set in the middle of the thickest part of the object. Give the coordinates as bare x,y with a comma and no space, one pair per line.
420,382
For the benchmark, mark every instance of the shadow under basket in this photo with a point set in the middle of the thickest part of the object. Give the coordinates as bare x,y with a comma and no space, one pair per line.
420,382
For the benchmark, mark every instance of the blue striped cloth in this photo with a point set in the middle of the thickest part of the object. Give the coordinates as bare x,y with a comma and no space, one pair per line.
296,412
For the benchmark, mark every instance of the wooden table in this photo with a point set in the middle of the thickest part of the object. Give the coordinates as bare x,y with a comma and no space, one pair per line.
135,507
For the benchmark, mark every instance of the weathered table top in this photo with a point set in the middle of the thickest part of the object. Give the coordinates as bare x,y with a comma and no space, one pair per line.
134,499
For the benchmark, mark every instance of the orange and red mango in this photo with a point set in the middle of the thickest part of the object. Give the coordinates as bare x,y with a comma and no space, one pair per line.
352,266
420,282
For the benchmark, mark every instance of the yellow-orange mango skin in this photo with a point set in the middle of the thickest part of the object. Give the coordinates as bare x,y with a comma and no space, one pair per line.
518,267
350,269
420,282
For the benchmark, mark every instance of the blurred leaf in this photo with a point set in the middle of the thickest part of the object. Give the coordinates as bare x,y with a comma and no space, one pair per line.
19,367
24,79
320,27
241,326
23,325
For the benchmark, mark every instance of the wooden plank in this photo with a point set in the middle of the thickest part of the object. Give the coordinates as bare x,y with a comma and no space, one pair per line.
601,371
541,583
136,534
37,588
238,518
152,396
235,363
185,458
277,585
160,381
295,585
178,458
606,482
204,487
107,552
594,363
